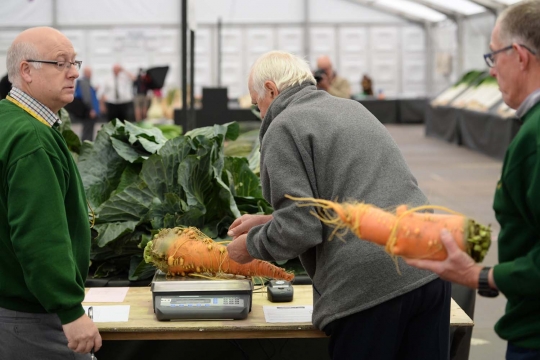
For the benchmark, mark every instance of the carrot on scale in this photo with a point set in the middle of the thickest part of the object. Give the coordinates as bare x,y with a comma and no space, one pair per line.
406,233
187,251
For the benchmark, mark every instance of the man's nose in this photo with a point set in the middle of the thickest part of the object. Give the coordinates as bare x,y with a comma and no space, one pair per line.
73,73
492,72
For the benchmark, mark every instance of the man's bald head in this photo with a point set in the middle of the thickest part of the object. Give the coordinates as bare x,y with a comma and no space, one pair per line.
33,43
324,63
87,72
116,69
40,63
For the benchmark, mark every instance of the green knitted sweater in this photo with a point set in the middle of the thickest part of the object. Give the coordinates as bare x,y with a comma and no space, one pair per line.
517,208
44,229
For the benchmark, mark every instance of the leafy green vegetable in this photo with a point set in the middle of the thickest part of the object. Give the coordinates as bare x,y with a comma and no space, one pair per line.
138,182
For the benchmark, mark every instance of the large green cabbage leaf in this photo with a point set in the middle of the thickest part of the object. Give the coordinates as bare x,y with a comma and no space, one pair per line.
138,182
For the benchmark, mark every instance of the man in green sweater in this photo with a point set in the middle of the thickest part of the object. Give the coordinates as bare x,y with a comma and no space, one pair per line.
44,228
515,62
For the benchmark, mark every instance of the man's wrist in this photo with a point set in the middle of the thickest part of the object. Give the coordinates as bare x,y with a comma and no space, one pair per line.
485,286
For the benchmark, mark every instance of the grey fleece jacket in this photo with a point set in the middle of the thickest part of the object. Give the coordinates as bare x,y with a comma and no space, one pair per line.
317,145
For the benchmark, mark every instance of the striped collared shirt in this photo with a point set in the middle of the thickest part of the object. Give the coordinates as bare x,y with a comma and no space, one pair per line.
35,105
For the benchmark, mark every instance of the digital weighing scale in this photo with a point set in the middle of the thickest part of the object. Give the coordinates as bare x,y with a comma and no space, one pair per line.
193,298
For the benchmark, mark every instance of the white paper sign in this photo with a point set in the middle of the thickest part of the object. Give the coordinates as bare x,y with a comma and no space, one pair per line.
288,314
106,294
113,313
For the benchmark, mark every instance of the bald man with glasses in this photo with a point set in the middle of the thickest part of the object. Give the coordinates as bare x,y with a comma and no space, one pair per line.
515,63
44,227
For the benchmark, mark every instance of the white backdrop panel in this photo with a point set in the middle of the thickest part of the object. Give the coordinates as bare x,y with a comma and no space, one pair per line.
384,39
203,63
26,13
291,39
385,48
6,38
259,41
232,63
323,42
352,55
413,60
117,12
414,74
413,39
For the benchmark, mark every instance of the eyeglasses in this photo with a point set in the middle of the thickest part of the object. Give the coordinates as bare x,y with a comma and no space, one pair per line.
60,65
490,57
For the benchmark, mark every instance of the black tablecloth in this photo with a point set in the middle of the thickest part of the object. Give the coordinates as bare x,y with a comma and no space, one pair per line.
386,111
411,110
484,132
396,111
442,122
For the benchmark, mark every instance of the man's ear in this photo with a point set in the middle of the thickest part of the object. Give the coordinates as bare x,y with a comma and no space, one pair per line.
25,72
523,55
271,89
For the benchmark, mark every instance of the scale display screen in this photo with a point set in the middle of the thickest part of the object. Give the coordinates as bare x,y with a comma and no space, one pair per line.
186,301
183,301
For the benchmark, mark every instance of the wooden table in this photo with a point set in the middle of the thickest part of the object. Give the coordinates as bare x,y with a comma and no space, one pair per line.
142,324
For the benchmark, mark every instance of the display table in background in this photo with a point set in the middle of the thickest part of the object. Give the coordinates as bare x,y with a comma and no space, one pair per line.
396,111
483,132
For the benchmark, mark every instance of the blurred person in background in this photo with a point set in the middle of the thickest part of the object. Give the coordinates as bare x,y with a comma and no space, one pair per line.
117,94
88,95
367,85
142,100
330,81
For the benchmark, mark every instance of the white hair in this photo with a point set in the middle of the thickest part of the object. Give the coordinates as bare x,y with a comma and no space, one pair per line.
16,53
519,24
280,67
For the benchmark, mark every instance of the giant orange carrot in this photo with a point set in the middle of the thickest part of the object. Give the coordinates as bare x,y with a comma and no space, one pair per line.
407,233
186,250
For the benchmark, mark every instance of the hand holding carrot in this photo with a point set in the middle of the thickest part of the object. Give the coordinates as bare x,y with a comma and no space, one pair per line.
244,223
237,250
458,267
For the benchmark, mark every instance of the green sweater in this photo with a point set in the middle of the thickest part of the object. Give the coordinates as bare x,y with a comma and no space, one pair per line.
44,229
517,208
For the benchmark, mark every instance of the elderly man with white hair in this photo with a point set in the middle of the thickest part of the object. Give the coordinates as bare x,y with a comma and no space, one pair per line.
44,228
314,144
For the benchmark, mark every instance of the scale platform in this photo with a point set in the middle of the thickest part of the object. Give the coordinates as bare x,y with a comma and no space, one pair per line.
186,298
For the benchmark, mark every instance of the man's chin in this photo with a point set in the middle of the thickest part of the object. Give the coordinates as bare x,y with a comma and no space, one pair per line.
68,98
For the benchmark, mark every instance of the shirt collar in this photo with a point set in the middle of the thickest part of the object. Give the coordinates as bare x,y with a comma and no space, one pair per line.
530,101
36,106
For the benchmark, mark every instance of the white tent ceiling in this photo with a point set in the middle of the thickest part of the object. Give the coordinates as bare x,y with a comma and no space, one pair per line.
436,10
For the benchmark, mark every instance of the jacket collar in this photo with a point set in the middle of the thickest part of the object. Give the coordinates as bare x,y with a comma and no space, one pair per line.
280,103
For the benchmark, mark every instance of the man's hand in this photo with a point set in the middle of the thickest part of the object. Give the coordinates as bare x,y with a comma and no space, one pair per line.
82,335
244,223
237,250
458,267
92,114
